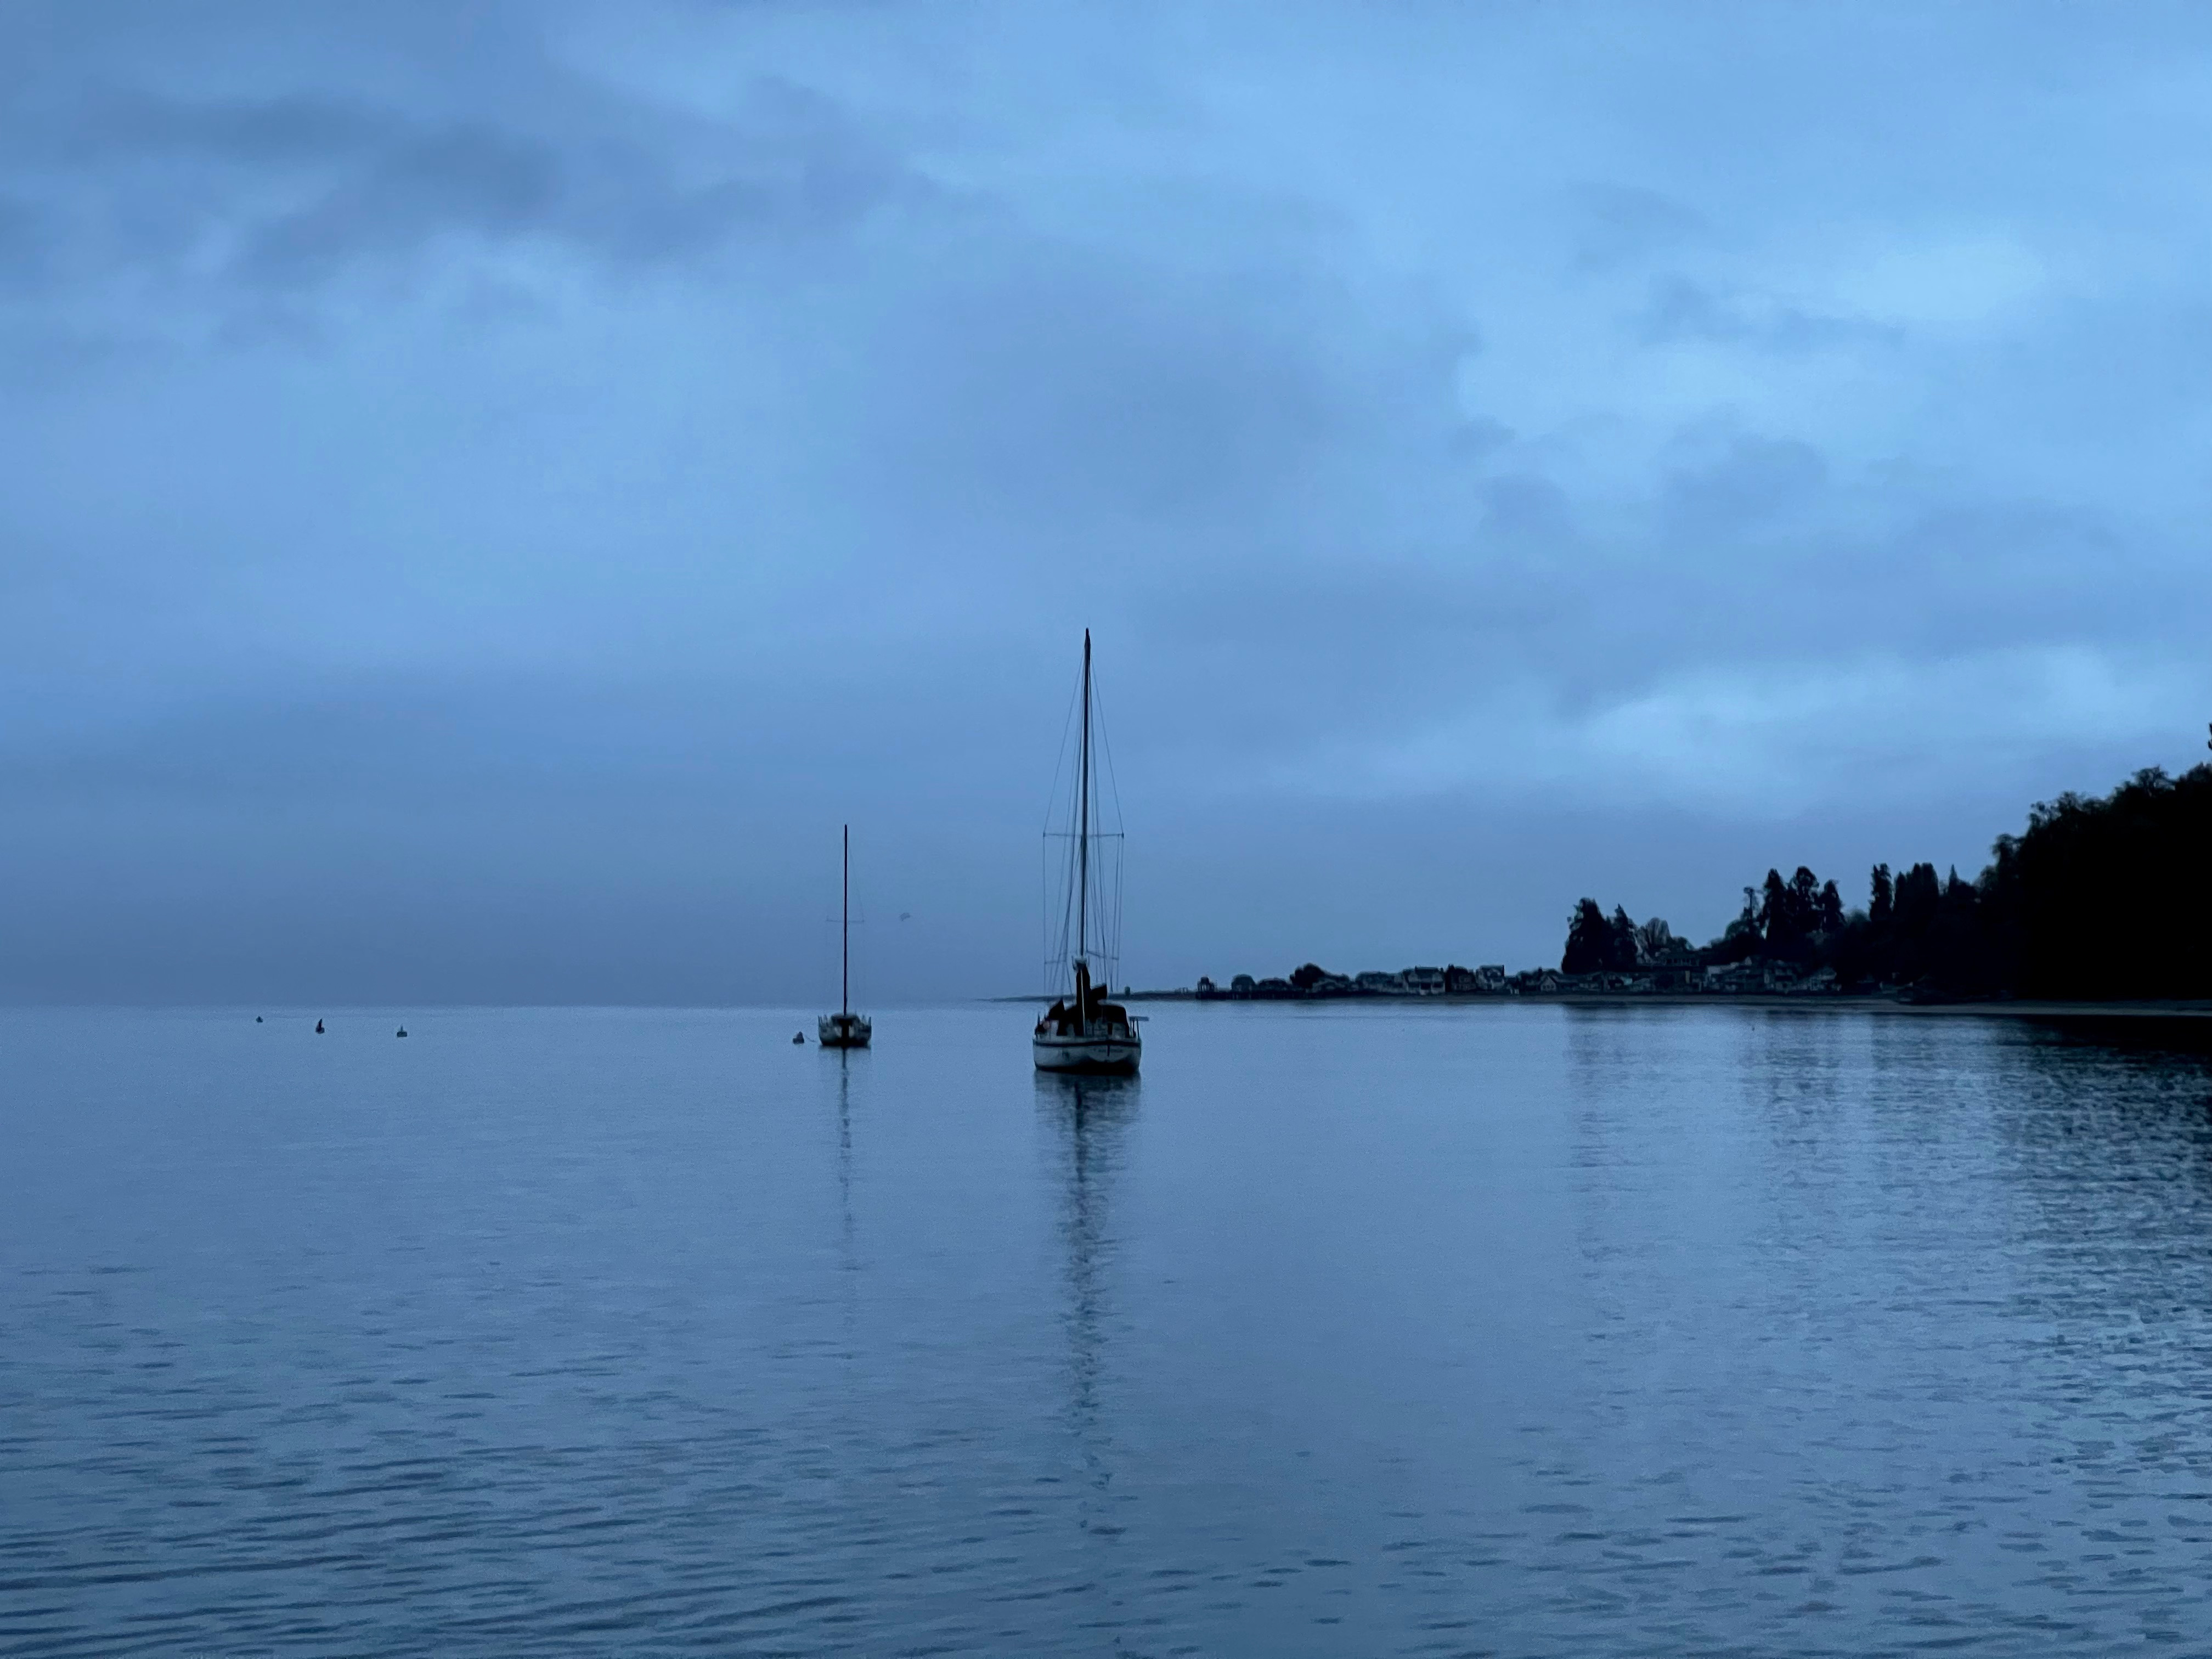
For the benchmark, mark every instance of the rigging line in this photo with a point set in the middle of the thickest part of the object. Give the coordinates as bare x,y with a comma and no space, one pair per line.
1059,951
1098,733
1073,944
1109,914
1055,950
1060,761
1044,862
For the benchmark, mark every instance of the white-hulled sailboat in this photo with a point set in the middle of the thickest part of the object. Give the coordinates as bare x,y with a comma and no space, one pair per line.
845,1029
1083,1031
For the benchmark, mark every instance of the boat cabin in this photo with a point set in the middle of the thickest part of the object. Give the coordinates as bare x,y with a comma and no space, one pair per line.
1088,1014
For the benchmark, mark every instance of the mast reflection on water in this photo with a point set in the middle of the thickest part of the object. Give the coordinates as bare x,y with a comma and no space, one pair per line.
1090,1117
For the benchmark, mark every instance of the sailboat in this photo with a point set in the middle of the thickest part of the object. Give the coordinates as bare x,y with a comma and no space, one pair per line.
1083,1031
845,1029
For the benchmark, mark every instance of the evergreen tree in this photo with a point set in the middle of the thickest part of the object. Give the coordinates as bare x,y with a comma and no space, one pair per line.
1804,900
1880,907
1917,895
1830,909
1620,945
1589,938
1774,926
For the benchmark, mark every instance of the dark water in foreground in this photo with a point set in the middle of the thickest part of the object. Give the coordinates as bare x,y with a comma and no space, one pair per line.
1346,1332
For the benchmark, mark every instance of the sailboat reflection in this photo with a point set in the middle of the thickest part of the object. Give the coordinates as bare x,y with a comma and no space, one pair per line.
1091,1117
848,1258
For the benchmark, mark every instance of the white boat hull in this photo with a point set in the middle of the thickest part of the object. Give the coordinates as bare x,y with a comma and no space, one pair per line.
1111,1056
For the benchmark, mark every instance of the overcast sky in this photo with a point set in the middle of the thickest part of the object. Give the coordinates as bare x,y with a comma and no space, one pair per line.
486,490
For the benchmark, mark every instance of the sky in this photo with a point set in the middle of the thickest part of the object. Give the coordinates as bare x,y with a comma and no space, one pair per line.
487,490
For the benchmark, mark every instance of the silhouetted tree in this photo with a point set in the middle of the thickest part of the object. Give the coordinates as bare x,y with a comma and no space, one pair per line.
1804,900
1620,946
2107,896
1589,938
1954,959
1741,938
1917,895
1774,914
1311,975
1830,906
2112,897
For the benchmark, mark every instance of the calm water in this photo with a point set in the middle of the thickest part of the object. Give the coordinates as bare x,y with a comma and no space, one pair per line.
1348,1331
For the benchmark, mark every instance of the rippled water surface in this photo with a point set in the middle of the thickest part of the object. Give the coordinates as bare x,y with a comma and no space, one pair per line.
1357,1331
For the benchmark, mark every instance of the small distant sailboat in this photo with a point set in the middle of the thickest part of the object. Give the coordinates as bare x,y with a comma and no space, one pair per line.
845,1029
1082,1032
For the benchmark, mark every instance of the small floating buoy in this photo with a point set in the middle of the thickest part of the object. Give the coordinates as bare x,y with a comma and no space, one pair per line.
799,1037
318,1028
256,1019
403,1031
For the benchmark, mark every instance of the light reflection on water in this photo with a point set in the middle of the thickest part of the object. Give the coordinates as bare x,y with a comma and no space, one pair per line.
1355,1330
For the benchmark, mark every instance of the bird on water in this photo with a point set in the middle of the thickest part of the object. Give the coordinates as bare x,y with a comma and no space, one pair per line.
318,1028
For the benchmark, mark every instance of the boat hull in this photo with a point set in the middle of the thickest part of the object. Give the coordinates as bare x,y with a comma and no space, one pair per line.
1093,1056
842,1031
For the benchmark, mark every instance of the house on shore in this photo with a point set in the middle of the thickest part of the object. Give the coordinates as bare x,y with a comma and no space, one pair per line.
1737,977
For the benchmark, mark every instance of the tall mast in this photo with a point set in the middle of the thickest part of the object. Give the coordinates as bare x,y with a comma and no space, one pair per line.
1083,820
845,935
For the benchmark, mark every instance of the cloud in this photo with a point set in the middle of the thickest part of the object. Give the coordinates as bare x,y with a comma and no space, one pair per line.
1753,480
1678,309
139,125
1764,742
484,184
1527,509
1960,281
1623,224
221,202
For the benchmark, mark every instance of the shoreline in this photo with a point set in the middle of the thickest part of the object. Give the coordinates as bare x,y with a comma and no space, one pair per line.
2012,1009
2015,1008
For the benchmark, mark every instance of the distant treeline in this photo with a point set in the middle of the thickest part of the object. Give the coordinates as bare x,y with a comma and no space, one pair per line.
2099,898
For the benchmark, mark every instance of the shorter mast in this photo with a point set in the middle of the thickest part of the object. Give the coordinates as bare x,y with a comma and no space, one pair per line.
845,934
